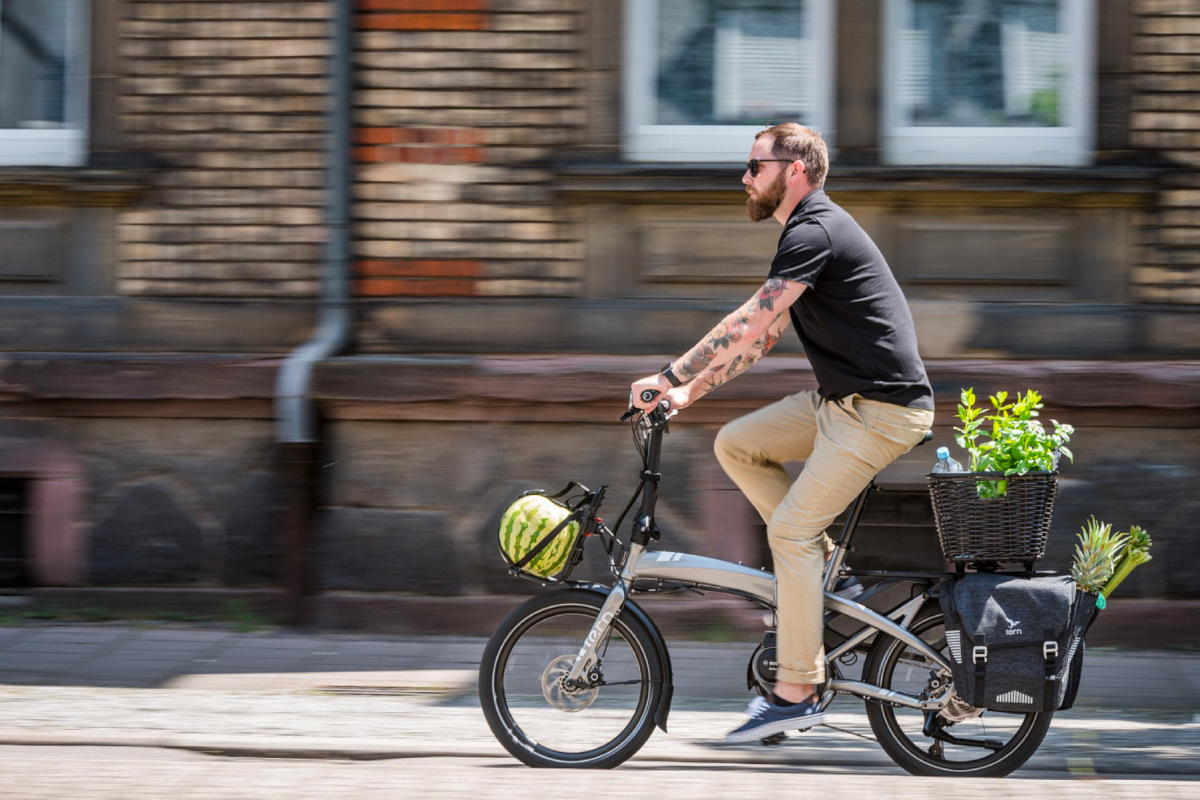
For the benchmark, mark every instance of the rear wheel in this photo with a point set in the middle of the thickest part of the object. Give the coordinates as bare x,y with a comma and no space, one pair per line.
959,740
546,722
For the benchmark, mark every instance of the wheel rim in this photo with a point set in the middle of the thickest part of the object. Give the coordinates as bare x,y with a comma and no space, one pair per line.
554,720
906,670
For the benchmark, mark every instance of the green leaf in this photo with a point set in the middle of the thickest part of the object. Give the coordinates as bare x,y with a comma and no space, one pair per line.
1014,441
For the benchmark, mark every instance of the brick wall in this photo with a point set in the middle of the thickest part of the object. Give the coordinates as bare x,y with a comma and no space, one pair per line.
460,105
231,98
1166,119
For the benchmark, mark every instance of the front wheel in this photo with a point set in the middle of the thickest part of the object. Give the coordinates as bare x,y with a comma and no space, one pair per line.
959,740
538,716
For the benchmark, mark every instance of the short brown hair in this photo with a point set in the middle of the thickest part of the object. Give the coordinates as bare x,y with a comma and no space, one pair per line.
797,142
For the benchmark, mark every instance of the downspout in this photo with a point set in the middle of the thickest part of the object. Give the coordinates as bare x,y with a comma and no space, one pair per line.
296,435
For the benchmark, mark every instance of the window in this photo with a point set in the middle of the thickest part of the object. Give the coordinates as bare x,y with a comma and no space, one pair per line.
703,76
988,82
43,82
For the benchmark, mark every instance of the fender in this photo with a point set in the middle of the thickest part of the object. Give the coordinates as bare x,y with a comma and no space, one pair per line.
660,647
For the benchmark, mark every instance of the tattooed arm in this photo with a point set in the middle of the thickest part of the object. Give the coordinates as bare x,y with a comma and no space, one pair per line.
720,372
734,345
739,332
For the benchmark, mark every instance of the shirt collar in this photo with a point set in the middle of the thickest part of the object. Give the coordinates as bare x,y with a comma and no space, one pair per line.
807,201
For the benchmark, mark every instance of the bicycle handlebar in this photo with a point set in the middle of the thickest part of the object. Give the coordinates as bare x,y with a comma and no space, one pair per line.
663,408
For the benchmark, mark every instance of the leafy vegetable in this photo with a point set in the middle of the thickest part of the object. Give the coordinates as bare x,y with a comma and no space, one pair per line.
1017,442
1136,553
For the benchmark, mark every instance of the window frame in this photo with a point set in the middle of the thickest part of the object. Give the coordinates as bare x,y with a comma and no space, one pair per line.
66,146
644,141
1070,145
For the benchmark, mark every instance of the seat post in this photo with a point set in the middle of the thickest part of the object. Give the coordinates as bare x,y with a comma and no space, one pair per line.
842,545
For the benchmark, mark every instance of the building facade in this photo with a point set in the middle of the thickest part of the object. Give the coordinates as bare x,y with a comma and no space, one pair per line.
545,203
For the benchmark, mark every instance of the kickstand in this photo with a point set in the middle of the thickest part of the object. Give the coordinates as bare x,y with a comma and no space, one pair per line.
850,732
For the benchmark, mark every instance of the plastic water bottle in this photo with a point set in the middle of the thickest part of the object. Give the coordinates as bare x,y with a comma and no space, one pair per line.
945,463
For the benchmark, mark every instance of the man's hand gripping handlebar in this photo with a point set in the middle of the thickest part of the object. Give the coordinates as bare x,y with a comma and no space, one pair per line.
647,396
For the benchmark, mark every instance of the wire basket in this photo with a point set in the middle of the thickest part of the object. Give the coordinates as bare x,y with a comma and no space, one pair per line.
1008,529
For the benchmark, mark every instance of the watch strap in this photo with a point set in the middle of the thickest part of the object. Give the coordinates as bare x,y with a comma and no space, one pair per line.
669,374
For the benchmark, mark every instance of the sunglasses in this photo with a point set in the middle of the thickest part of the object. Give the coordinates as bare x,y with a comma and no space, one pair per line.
754,163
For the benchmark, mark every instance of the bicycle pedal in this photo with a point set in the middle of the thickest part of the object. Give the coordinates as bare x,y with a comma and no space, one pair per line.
774,739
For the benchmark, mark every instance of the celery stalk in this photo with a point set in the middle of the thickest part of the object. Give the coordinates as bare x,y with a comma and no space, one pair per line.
1137,552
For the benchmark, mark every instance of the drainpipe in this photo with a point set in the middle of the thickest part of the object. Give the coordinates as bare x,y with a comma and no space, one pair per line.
295,425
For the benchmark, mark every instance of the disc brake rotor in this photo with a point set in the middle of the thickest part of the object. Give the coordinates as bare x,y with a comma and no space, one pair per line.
556,691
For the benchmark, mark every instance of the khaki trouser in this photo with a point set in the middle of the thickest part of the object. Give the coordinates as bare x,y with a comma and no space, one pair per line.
844,444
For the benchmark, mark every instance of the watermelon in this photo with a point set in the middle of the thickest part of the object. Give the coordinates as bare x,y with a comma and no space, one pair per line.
526,522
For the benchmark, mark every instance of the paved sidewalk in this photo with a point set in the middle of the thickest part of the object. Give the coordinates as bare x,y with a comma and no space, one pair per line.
286,693
198,657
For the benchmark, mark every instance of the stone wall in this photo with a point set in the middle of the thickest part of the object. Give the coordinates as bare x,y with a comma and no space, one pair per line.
121,501
182,505
426,453
144,470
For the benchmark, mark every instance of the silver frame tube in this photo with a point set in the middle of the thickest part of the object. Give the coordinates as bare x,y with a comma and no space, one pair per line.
687,569
695,570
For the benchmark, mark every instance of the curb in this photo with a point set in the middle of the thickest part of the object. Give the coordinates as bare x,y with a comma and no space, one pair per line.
1132,623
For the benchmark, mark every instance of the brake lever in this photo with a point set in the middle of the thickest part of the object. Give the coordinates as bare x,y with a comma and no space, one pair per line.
632,411
664,406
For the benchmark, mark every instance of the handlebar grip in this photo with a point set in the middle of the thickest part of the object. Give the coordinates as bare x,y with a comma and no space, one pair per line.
649,394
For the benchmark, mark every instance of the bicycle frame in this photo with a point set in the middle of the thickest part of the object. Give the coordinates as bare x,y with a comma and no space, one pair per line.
668,569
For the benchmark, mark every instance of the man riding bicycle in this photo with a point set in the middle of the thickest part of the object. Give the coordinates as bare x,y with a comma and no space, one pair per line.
872,404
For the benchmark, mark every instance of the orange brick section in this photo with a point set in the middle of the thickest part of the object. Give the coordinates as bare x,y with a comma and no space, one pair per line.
423,22
424,15
387,287
417,278
424,5
420,145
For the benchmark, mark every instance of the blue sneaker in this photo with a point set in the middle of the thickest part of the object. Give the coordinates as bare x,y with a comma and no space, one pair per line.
768,719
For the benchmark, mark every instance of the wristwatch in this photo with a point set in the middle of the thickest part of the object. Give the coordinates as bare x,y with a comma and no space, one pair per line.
669,374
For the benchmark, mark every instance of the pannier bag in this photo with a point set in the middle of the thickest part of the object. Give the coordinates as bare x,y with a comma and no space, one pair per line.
1016,644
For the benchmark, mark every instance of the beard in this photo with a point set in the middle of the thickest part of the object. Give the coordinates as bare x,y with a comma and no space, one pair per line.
764,205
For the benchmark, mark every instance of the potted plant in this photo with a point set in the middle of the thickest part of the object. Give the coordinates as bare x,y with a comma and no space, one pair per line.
1010,439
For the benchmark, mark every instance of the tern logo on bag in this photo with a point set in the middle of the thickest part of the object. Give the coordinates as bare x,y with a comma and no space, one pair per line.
1013,630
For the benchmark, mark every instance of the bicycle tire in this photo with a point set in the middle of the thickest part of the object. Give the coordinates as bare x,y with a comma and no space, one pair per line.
526,705
900,733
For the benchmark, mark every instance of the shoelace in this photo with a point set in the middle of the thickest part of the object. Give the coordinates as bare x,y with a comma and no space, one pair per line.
757,704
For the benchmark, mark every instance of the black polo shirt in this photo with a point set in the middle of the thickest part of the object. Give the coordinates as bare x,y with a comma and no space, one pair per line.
853,320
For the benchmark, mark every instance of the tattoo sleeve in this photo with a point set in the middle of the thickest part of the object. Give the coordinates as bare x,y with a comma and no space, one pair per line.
720,373
724,342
